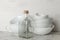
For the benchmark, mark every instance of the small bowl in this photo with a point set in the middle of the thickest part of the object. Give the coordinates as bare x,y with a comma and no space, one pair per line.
41,31
39,16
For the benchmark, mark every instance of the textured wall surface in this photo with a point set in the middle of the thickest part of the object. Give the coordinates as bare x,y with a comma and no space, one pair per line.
11,8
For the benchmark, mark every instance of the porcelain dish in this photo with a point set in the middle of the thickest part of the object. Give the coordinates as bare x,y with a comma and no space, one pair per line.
41,31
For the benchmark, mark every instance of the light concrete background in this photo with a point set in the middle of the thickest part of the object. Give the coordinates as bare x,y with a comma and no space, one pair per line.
11,8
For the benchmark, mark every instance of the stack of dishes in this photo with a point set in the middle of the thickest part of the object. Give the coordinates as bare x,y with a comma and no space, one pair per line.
41,24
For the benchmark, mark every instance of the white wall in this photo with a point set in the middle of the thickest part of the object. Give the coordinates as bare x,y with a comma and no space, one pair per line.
11,8
7,12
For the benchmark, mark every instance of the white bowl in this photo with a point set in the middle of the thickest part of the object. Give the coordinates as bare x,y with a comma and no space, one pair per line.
41,31
39,16
42,24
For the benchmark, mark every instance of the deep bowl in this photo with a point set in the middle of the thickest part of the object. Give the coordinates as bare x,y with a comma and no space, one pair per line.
41,31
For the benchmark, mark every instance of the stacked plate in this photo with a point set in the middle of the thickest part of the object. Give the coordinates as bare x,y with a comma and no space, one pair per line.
41,24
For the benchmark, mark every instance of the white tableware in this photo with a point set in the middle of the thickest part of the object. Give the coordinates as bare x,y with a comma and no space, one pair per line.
41,31
41,21
38,16
19,22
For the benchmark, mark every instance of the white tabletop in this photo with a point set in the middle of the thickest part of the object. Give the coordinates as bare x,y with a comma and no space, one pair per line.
12,36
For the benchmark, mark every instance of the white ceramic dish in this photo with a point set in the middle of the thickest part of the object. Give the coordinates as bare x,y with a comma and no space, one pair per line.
41,31
42,24
38,16
42,21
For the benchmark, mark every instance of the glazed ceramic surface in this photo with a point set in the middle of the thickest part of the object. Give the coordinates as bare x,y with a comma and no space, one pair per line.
39,24
23,24
41,21
18,24
41,31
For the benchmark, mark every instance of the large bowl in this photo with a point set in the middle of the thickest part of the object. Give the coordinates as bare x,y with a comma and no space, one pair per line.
42,23
41,31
